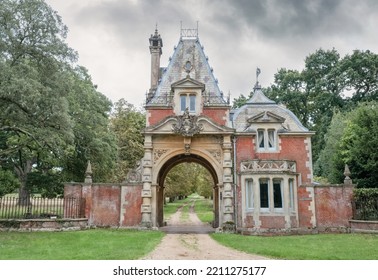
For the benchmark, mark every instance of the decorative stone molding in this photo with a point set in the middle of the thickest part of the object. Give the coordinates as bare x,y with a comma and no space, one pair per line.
146,208
187,125
268,165
158,153
134,175
146,193
216,153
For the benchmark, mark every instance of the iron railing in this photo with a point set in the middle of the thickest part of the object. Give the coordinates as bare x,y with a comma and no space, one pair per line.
41,208
365,208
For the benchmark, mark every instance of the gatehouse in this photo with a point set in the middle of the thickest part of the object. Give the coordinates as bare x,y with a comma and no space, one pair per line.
259,156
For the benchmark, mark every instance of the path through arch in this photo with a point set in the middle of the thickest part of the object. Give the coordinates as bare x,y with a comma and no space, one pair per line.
189,240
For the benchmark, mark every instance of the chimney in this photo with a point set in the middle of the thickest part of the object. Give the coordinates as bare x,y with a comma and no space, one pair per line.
156,44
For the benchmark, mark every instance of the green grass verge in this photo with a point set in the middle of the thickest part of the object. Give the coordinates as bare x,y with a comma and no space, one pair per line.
95,244
306,247
204,210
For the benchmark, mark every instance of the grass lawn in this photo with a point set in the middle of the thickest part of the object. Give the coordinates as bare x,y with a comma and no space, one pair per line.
306,247
94,244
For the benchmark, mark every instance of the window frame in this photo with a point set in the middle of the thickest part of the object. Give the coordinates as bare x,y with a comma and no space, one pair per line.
266,140
188,100
249,194
264,181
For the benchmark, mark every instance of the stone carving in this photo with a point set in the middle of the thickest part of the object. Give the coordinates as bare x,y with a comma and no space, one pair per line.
134,175
217,154
158,153
268,165
187,125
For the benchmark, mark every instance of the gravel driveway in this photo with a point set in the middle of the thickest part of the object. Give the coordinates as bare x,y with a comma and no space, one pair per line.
189,240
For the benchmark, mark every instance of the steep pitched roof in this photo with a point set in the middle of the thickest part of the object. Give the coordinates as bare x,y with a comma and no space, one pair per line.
260,108
188,49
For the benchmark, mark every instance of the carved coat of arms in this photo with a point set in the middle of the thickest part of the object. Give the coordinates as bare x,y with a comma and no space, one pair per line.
187,125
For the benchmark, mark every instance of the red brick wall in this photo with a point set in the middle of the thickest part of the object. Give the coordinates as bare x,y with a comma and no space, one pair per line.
131,205
304,212
272,222
157,115
105,205
292,148
218,115
333,206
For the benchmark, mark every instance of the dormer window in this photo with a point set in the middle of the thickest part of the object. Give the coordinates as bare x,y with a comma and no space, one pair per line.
266,139
188,101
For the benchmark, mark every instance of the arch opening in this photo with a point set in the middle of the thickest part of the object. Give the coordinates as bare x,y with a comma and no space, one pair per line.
168,166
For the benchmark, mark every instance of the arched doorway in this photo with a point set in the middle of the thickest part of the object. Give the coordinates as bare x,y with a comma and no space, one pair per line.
167,167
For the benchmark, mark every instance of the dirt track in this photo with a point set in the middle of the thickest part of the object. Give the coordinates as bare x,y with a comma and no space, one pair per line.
196,245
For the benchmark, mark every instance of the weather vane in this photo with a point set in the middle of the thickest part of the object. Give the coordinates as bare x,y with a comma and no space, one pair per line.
258,71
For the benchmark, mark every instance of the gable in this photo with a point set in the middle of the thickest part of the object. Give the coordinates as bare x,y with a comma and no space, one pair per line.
188,125
188,83
266,117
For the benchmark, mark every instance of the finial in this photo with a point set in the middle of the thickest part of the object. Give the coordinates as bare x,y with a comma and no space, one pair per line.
88,173
347,179
258,72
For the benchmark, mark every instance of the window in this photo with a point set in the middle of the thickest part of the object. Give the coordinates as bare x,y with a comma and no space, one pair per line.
249,193
266,139
277,193
192,103
264,194
188,101
182,103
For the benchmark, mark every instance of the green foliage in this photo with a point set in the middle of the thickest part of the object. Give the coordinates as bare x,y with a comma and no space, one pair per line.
51,115
127,123
329,163
47,184
359,145
93,140
187,178
240,101
8,182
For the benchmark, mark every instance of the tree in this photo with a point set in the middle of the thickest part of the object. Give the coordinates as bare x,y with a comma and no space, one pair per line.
127,123
187,178
311,94
358,73
329,163
93,139
8,182
358,146
34,120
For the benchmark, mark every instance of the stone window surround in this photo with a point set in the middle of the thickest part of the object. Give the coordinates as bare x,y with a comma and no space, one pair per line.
289,200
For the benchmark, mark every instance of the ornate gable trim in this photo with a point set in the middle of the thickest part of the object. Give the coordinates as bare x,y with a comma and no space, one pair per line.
188,83
266,117
188,125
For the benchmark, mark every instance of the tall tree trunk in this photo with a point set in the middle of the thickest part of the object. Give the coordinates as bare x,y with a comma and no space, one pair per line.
23,192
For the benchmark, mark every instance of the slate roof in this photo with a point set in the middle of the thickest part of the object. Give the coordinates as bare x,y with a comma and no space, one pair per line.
188,49
259,104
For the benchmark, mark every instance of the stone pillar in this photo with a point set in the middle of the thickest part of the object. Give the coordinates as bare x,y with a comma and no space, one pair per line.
86,192
146,208
227,193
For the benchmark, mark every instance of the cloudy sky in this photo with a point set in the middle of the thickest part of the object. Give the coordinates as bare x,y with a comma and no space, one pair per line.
111,37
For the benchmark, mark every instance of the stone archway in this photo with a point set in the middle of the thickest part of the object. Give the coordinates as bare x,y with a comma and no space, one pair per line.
165,149
163,172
